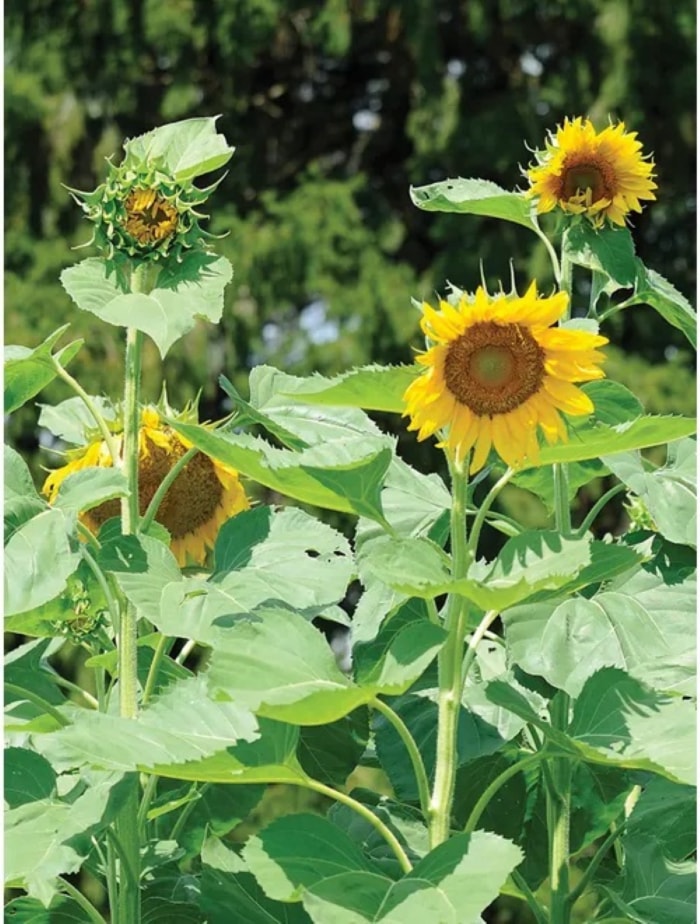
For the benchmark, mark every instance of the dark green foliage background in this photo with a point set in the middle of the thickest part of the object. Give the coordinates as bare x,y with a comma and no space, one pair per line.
315,204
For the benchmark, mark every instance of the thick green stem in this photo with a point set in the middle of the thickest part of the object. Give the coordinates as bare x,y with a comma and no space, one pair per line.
413,753
127,831
450,671
562,510
368,815
559,820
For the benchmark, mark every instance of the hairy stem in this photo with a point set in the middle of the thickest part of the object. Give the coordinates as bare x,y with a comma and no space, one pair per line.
559,819
450,671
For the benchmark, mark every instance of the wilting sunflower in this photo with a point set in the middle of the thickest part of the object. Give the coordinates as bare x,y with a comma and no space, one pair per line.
202,497
597,174
496,371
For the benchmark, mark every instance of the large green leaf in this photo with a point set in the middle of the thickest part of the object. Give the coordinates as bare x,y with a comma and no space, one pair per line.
21,499
28,371
90,487
231,895
26,668
185,149
623,721
659,881
145,588
607,250
28,777
194,288
330,753
40,837
304,857
184,724
669,492
374,388
528,564
474,197
641,623
344,474
61,910
72,422
652,289
28,581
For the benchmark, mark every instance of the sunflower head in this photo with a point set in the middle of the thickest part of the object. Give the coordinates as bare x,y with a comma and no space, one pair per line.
202,497
602,175
496,371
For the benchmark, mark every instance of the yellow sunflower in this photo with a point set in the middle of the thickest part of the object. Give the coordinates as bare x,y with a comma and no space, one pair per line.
202,497
496,371
597,174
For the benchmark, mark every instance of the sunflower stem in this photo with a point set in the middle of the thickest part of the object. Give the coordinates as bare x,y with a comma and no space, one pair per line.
450,669
558,799
107,436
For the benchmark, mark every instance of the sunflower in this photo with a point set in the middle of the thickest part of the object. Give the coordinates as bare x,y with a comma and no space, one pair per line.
496,371
597,174
202,497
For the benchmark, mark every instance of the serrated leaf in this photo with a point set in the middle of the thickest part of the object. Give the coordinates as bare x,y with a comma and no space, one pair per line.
184,724
123,555
37,836
185,149
669,493
21,499
652,289
474,197
28,371
230,894
374,388
354,466
28,582
193,289
643,625
90,487
607,250
71,421
145,588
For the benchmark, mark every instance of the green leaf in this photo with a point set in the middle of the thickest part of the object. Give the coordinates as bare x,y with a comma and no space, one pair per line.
350,468
39,837
192,289
658,881
329,753
184,724
505,813
641,624
230,894
530,563
474,197
270,759
21,499
28,371
621,721
185,149
277,664
304,857
145,588
599,440
28,777
669,492
374,388
89,488
61,910
652,289
27,668
608,250
123,554
28,580
71,421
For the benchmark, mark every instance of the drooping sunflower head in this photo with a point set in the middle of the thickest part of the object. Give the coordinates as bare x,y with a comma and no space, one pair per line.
602,175
496,371
204,494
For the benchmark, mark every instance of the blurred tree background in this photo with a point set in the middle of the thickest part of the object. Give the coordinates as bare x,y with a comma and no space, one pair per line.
336,108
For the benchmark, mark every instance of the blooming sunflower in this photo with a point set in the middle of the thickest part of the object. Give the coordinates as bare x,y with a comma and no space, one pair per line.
496,371
202,497
597,174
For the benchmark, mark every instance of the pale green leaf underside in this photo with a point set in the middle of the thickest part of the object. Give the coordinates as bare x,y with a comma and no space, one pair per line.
474,197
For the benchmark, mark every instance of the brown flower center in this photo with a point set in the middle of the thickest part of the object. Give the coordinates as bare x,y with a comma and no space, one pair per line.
580,177
149,217
190,502
493,368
